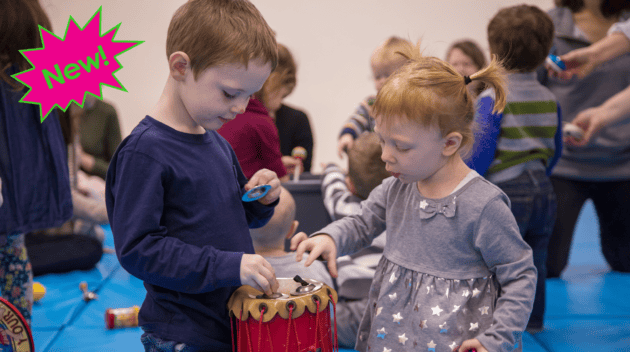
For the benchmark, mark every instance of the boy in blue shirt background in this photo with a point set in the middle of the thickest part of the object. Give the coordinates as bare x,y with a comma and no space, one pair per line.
174,185
517,148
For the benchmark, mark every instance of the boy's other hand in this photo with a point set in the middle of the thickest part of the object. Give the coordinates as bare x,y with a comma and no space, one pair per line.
345,143
319,245
265,177
258,273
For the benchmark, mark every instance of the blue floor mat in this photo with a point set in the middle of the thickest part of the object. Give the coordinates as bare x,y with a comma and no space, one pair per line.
587,309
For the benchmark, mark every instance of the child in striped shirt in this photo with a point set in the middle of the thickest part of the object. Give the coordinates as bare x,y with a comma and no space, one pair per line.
516,148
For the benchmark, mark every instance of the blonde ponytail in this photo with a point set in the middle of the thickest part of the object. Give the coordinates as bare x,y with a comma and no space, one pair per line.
493,76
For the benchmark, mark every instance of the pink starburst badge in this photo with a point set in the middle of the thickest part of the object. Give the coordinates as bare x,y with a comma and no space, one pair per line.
64,70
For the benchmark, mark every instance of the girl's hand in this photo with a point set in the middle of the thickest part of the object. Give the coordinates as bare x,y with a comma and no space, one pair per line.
470,344
265,177
345,143
319,245
258,273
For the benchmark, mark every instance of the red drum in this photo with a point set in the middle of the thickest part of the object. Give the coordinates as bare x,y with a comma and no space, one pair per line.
297,318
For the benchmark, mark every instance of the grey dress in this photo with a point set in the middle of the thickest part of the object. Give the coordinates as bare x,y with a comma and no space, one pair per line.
453,269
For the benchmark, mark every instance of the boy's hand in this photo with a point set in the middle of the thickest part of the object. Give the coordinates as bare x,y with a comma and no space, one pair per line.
470,344
258,273
345,143
319,245
265,177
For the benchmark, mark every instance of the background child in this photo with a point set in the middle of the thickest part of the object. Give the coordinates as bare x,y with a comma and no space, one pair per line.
294,129
33,167
384,62
455,270
269,242
467,58
517,147
342,195
174,185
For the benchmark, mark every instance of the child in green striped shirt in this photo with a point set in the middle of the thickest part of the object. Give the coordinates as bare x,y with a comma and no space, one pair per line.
517,148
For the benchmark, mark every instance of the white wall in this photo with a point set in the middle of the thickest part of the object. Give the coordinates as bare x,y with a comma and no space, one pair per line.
331,40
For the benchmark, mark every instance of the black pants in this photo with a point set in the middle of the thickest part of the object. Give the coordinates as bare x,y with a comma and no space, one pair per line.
62,253
612,204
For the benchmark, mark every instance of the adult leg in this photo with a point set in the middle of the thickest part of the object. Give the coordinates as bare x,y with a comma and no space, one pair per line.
16,280
571,196
612,203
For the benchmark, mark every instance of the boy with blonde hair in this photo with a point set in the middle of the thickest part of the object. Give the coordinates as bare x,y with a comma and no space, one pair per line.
174,185
384,62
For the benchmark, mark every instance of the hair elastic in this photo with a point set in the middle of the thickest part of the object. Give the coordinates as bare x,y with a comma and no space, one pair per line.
467,80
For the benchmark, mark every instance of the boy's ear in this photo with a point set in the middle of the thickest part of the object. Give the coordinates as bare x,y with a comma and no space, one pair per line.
178,63
293,229
452,143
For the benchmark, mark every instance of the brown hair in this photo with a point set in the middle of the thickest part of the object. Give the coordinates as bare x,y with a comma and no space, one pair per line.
215,32
609,8
284,75
366,169
388,50
521,36
429,91
472,50
19,20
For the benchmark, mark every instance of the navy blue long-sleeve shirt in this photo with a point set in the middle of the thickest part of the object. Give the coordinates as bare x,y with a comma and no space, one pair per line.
174,204
33,165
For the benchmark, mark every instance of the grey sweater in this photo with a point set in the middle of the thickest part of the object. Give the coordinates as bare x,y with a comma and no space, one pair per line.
447,263
607,157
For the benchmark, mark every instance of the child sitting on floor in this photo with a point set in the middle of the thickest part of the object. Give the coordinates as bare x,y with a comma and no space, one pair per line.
269,242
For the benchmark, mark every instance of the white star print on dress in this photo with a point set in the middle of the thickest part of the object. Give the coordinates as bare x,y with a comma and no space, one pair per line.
392,296
484,310
378,310
385,349
437,310
431,345
453,345
423,324
474,326
476,292
397,317
423,204
455,308
392,278
466,293
402,339
381,333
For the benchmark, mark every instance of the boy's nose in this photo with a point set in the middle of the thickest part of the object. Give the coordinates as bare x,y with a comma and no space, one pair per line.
240,108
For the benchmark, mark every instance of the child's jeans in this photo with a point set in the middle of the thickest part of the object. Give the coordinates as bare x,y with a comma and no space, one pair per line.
153,343
534,207
16,276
